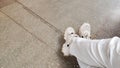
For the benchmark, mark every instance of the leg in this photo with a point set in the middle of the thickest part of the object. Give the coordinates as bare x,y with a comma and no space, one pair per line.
85,30
83,65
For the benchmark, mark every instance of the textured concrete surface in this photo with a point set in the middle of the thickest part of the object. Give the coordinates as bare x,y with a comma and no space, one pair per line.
31,31
6,2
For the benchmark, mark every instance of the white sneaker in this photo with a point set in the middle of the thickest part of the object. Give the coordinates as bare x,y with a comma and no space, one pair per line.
85,30
69,31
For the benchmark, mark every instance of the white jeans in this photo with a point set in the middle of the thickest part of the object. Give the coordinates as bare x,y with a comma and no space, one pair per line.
104,53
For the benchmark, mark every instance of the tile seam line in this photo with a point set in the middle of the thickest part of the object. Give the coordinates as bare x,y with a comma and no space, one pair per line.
24,28
41,19
39,39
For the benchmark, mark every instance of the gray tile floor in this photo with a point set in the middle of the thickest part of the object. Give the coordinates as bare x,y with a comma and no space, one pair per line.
31,31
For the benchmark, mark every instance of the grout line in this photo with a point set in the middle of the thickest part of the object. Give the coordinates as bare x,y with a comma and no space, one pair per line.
23,27
42,19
